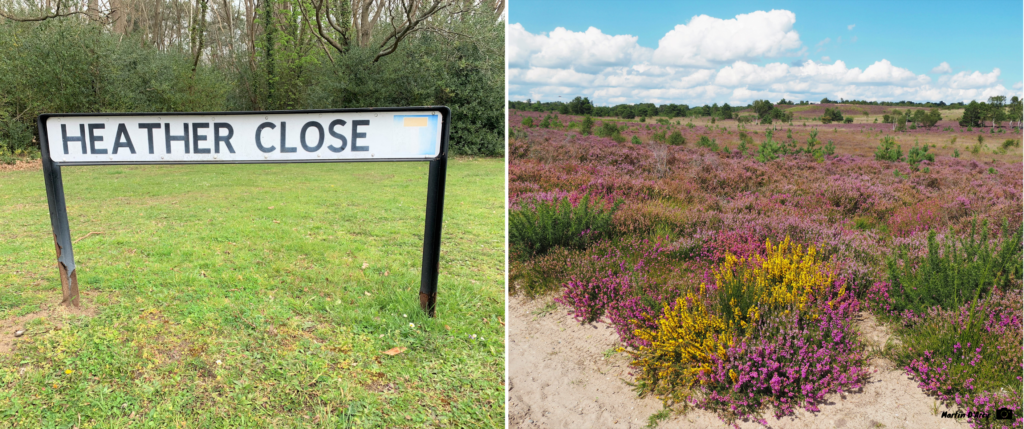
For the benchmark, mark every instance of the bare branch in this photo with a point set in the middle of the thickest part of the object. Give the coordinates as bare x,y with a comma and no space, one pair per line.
56,14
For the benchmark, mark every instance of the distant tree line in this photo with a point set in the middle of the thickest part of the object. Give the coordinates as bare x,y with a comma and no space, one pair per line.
763,110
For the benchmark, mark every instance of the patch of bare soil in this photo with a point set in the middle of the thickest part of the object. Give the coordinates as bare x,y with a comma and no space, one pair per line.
21,165
51,316
563,374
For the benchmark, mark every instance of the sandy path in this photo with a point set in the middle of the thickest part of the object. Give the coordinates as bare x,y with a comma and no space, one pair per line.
560,377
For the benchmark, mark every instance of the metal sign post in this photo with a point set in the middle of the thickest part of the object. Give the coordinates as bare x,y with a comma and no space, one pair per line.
337,135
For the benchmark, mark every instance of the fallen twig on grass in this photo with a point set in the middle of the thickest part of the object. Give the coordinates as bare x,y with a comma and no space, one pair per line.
86,236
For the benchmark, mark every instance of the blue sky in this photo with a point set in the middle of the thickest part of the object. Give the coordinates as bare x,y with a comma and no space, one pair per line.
913,37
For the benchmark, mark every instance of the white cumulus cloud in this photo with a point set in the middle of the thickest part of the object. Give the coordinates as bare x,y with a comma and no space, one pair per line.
706,41
709,60
942,68
963,80
850,27
588,50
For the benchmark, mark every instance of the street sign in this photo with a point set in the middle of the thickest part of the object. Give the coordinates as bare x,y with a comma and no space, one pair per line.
337,135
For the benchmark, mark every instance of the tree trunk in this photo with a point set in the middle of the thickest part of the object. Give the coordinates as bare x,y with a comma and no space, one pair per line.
93,10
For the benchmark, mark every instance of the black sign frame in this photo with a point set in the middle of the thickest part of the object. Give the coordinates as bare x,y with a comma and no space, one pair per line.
435,193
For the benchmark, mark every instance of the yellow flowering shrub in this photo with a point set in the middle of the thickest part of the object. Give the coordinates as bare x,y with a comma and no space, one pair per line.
682,344
706,322
788,277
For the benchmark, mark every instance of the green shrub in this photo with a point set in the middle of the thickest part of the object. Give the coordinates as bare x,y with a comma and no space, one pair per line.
636,140
956,153
832,114
533,230
528,122
618,137
830,148
954,272
1010,143
848,120
709,143
769,150
587,126
659,137
607,129
918,154
676,139
889,150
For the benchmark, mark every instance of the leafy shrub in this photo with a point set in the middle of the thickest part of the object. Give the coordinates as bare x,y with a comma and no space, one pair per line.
659,136
587,125
954,273
1010,143
831,115
636,140
706,142
536,229
848,120
830,148
676,139
918,154
889,150
769,150
607,129
528,122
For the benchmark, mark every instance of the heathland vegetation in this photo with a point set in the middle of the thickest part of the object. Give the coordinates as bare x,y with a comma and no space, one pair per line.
736,258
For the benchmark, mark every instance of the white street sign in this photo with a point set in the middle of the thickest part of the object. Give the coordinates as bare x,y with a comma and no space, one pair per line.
248,137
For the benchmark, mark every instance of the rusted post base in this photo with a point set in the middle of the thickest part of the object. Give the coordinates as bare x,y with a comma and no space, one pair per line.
428,302
68,284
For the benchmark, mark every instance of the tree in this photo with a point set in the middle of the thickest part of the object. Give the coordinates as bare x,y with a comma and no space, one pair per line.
580,106
931,118
1015,112
625,111
725,112
831,115
973,115
762,108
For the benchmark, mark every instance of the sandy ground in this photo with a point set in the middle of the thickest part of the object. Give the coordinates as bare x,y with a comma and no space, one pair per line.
566,375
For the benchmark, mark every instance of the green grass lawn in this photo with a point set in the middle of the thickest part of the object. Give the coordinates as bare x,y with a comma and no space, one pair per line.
255,296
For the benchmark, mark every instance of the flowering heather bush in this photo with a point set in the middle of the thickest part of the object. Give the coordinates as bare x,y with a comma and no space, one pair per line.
970,357
771,331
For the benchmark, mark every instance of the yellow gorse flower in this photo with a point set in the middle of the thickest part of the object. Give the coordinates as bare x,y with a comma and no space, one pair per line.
686,334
